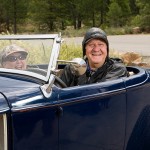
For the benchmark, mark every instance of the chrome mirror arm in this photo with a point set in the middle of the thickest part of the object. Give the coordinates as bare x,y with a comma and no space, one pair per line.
78,66
47,88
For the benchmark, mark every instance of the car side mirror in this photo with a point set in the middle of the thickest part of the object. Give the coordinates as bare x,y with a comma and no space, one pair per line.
78,66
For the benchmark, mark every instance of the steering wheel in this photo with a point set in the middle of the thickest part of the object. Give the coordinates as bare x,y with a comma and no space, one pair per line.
58,82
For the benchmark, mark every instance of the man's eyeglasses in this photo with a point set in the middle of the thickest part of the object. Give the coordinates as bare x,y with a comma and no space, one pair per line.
14,58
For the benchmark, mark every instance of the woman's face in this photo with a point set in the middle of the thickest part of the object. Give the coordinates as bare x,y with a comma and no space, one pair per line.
96,52
15,61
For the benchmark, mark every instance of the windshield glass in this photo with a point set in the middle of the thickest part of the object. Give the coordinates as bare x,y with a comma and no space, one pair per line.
30,54
38,53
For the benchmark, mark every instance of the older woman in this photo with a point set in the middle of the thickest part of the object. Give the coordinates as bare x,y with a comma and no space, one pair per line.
14,57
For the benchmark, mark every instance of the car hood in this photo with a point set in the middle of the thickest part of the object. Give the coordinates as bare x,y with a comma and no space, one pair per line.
16,92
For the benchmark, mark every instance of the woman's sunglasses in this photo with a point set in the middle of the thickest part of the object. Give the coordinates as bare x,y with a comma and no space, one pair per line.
15,58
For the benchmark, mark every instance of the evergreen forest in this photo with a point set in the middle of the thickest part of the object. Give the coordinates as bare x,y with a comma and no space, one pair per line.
46,16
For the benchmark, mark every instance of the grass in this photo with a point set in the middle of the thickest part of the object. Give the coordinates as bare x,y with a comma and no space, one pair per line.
70,32
68,52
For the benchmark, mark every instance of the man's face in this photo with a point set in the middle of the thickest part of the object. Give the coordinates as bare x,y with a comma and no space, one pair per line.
15,61
96,52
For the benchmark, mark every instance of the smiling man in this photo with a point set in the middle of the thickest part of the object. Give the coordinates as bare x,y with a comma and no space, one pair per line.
14,57
100,67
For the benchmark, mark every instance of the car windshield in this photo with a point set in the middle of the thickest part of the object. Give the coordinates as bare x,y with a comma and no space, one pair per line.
32,55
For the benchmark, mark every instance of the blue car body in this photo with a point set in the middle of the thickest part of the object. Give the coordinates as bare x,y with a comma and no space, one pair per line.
113,115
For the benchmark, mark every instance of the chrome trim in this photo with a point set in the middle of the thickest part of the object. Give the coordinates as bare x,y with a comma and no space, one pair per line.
3,126
47,88
22,72
54,56
26,37
5,132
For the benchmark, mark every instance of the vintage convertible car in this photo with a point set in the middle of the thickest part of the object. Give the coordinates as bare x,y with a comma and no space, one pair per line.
38,111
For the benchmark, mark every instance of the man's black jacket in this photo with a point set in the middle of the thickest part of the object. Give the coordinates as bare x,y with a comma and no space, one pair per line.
112,69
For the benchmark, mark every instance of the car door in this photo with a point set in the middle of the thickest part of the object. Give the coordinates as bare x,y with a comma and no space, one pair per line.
138,110
93,116
34,119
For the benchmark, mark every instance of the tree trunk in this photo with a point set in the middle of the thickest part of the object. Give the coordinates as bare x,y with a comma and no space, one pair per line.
51,25
7,23
79,22
93,19
62,25
15,17
102,18
102,12
75,23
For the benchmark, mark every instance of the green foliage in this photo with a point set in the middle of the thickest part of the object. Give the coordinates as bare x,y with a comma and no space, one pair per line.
136,21
70,32
128,30
13,13
133,7
114,14
37,55
118,13
115,31
44,16
144,16
68,52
